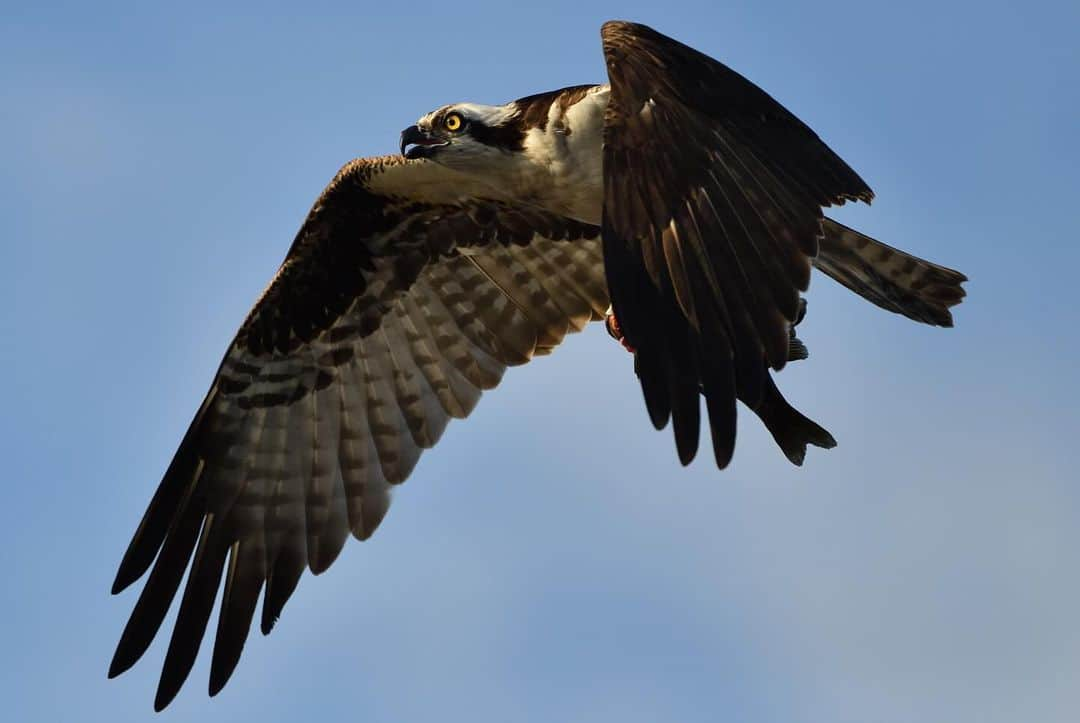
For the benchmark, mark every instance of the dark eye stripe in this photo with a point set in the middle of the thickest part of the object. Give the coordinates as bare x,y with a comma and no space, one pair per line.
509,137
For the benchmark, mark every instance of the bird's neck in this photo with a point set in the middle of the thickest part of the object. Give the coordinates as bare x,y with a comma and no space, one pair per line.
560,168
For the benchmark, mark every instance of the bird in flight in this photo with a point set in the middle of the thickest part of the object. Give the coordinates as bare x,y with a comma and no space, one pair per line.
678,201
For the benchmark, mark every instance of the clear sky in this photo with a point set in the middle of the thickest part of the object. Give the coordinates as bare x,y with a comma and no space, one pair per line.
550,560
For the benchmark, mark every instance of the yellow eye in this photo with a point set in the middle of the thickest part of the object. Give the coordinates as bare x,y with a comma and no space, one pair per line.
452,122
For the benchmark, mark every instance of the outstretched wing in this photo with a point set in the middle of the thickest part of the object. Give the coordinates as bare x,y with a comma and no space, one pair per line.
712,212
404,295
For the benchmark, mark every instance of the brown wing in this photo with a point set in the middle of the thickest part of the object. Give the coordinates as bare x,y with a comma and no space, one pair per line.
712,212
375,332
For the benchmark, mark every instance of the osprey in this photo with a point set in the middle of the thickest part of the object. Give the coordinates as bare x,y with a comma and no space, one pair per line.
680,195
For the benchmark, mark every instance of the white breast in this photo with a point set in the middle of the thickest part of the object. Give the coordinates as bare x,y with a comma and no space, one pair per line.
567,158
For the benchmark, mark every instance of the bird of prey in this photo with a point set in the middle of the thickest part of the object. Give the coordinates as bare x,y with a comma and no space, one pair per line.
679,194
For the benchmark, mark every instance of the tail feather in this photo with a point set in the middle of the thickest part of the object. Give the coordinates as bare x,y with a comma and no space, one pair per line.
790,428
888,277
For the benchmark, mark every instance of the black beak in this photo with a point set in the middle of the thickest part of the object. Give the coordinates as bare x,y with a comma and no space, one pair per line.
422,144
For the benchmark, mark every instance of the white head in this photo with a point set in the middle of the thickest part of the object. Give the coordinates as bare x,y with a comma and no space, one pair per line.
466,136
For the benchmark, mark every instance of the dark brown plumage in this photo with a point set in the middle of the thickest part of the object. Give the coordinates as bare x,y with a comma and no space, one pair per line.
712,217
411,287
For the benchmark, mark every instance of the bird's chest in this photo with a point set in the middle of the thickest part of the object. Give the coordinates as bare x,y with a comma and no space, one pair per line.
564,170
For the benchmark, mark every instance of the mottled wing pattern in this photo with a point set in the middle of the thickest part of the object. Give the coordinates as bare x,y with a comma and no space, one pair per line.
888,277
712,212
395,308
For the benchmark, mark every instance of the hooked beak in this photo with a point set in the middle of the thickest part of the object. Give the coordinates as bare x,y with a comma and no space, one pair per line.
423,145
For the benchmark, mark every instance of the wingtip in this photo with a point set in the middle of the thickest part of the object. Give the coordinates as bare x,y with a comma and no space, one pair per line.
115,668
686,430
124,578
723,445
132,646
687,456
120,663
723,457
163,697
217,683
169,684
221,670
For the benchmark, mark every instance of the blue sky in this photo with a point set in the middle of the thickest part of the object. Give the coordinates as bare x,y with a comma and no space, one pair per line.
550,560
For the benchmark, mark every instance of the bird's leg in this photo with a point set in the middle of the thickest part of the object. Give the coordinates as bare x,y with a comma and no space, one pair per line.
615,331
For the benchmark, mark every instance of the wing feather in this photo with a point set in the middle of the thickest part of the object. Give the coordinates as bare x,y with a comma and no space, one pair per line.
453,394
526,293
714,191
285,523
573,264
397,453
367,492
160,589
571,306
195,606
327,519
451,353
373,334
508,334
458,333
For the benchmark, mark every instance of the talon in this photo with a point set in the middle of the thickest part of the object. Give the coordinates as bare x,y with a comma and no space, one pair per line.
613,328
615,331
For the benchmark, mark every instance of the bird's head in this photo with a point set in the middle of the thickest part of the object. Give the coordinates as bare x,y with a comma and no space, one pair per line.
465,136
